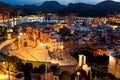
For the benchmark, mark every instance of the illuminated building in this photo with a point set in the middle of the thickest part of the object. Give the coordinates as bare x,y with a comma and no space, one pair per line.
82,63
114,64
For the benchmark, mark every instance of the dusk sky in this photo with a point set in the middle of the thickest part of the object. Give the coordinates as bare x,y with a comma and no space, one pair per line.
22,2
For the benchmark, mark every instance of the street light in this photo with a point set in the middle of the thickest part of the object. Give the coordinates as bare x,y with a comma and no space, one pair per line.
19,40
46,69
46,61
45,45
46,66
78,73
61,49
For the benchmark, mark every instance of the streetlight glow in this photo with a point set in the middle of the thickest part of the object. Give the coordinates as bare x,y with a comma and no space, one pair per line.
61,47
20,33
18,37
3,63
111,58
78,73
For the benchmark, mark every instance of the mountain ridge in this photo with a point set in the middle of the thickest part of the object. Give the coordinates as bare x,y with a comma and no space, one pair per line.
82,9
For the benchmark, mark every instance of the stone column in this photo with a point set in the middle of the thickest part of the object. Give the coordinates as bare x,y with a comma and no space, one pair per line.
82,60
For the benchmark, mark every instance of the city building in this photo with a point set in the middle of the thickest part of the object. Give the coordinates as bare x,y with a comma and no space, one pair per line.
114,64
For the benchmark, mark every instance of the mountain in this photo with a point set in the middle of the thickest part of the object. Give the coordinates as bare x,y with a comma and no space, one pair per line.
51,6
6,8
79,8
101,9
46,7
32,8
109,6
12,11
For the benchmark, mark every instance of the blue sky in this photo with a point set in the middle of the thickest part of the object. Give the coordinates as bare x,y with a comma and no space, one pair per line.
22,2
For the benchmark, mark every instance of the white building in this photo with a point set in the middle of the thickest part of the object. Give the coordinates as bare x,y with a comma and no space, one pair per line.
56,46
82,63
114,65
55,43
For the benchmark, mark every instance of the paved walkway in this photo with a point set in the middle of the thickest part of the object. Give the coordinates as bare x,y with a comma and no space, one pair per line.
5,43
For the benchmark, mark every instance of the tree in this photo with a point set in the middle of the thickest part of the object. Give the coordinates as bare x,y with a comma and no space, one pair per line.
3,30
15,64
35,70
111,76
64,31
41,68
65,75
20,66
27,71
55,69
106,78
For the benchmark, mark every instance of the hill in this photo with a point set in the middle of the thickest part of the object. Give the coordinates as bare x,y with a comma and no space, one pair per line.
6,8
51,6
46,7
109,6
101,9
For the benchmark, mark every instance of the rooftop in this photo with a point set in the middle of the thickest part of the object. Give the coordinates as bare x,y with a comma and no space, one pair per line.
117,55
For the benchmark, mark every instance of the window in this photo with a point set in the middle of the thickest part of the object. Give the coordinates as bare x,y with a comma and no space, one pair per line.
25,44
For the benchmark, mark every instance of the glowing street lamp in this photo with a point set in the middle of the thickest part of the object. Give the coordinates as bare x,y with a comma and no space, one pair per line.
3,63
20,33
78,73
111,58
61,49
42,45
18,37
4,66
